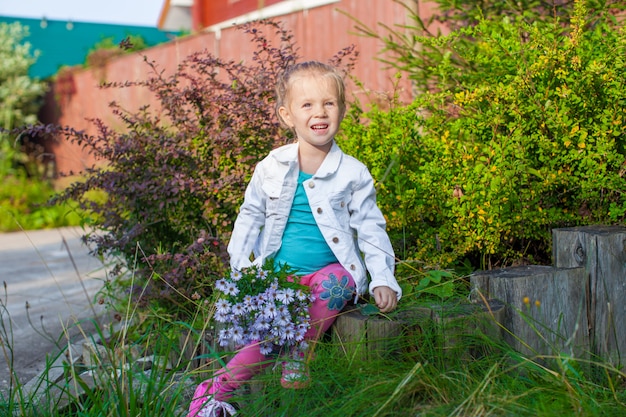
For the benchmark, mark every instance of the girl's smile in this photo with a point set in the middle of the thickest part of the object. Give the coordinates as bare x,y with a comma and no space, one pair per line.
313,110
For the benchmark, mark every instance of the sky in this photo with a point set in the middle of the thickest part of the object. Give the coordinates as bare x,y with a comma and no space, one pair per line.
117,12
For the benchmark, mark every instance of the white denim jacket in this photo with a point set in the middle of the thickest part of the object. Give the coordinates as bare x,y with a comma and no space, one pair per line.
343,201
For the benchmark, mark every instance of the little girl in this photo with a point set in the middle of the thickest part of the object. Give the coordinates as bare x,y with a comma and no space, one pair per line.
313,208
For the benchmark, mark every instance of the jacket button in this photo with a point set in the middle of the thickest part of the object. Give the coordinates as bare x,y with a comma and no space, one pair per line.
319,210
311,184
342,204
352,267
335,240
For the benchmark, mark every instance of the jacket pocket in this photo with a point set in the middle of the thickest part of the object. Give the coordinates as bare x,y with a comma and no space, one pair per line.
272,191
339,203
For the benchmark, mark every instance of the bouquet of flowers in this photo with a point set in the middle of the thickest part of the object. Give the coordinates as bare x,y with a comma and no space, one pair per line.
264,305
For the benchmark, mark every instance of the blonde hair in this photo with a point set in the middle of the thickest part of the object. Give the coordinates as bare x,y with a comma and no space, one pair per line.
283,83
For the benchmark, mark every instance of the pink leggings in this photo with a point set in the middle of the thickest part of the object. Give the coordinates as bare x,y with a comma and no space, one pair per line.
328,285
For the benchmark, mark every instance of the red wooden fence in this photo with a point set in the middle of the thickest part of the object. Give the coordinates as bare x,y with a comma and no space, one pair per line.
319,33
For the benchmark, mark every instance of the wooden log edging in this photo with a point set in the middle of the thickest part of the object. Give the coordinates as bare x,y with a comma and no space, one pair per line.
456,324
581,299
601,251
545,308
367,337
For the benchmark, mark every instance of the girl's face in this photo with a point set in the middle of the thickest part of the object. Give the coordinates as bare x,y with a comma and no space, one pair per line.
313,110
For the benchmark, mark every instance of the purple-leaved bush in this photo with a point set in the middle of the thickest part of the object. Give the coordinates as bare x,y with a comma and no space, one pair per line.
174,177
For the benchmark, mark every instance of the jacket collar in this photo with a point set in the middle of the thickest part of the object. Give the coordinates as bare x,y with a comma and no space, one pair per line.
288,154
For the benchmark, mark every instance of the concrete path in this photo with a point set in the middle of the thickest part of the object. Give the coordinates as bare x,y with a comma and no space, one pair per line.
51,272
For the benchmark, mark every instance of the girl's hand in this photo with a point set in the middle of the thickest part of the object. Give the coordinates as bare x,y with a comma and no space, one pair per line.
386,299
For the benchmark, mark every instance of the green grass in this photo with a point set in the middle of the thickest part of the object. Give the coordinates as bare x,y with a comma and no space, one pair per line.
425,372
423,379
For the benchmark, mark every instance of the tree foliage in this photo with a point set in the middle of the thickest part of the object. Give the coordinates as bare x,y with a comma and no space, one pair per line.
19,94
25,188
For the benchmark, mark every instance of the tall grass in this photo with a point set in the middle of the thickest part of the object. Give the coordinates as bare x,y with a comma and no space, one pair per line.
479,376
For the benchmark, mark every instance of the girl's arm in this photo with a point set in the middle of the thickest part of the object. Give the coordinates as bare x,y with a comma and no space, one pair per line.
370,225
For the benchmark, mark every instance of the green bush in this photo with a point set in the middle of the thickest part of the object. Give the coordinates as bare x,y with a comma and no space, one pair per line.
23,206
526,136
415,49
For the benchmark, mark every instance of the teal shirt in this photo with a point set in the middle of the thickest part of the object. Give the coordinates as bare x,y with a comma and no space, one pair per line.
303,247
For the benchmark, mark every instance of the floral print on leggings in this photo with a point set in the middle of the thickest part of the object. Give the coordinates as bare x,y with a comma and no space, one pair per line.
337,292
